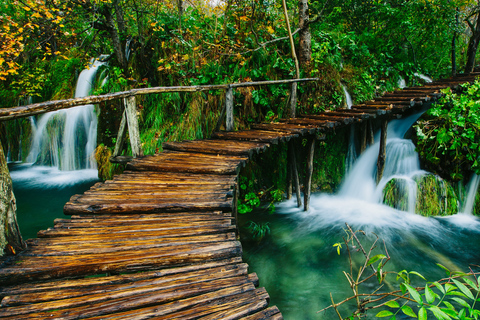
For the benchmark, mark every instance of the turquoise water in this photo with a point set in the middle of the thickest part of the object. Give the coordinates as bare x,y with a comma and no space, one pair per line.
41,193
299,266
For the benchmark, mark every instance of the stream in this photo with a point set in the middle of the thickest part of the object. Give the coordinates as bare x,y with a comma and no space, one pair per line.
298,264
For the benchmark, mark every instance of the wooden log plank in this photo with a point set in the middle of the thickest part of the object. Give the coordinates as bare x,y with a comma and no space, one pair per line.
351,113
330,117
85,283
184,166
255,135
116,246
111,302
166,228
272,313
38,269
77,244
321,125
285,127
138,198
115,290
217,147
189,308
238,312
136,235
167,206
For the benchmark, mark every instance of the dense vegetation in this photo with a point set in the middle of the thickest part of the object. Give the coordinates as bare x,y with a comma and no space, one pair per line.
367,45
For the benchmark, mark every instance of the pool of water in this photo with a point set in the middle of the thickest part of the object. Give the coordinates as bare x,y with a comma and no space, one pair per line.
299,266
41,193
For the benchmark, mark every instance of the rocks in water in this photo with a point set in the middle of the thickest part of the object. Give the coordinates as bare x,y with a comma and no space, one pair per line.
432,196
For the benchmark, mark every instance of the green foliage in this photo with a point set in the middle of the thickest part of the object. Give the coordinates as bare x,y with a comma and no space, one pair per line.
434,196
258,230
453,297
447,138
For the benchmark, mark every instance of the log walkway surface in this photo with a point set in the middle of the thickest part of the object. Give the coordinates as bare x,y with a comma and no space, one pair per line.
159,241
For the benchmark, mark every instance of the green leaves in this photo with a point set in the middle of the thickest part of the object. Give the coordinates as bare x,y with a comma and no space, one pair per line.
448,139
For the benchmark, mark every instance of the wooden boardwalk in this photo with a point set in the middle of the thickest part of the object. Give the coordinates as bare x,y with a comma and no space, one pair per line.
159,241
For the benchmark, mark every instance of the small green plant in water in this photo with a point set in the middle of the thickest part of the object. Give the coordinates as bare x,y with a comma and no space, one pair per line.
258,230
453,297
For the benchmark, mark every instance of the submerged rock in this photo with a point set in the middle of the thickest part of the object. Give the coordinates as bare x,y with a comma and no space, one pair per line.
433,195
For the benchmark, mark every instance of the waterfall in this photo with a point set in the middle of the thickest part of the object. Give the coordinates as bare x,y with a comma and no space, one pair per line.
423,77
401,83
402,162
472,189
348,98
352,151
66,139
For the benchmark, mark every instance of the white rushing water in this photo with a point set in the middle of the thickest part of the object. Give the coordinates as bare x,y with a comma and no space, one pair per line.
423,77
348,97
64,141
359,200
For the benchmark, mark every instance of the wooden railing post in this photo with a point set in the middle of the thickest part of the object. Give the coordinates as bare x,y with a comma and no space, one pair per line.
293,100
229,109
120,136
133,129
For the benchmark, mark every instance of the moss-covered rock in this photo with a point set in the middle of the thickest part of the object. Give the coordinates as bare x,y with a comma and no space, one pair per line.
395,194
434,196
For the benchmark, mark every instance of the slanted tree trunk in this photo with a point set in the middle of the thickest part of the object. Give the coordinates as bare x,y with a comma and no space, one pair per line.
473,43
305,50
10,238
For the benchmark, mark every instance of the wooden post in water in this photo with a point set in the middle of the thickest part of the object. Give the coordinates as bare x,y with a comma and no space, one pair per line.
293,100
382,152
294,170
289,174
363,137
308,176
120,136
229,109
132,122
370,135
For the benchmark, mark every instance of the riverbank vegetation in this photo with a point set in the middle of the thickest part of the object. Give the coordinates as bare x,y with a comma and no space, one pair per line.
367,46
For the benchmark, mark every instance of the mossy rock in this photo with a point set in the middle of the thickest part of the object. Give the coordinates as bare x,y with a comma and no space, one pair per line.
395,194
435,196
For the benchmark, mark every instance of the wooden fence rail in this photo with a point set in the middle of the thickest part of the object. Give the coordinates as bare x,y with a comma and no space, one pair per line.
129,118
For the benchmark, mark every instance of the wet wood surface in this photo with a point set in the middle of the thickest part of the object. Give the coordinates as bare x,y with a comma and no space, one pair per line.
160,240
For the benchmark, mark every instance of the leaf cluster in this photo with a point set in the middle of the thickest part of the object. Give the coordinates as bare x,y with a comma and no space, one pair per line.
448,137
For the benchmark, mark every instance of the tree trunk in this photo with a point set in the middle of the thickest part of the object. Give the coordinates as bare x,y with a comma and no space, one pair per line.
116,41
10,238
305,50
454,45
290,36
473,45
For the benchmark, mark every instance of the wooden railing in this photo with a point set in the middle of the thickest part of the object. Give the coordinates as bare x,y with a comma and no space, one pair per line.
129,118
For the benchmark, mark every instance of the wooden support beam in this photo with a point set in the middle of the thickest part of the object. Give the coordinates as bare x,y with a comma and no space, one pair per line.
293,100
293,168
363,137
133,129
120,136
289,174
370,133
382,152
229,109
308,176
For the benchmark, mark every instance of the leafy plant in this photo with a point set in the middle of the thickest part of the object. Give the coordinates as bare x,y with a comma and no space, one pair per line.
453,297
447,139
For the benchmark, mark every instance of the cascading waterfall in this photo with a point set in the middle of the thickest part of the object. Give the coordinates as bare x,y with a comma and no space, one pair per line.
348,97
66,139
472,189
63,143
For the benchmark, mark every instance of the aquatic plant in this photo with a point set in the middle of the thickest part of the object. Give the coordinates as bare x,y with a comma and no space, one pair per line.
453,297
